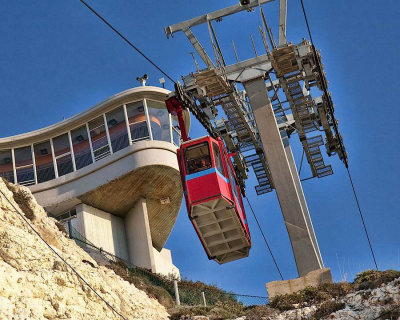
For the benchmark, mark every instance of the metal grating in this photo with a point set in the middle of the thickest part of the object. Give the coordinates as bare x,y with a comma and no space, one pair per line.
241,122
263,177
317,161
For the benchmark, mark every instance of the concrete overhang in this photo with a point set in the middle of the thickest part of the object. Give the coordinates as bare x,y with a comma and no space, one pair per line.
146,169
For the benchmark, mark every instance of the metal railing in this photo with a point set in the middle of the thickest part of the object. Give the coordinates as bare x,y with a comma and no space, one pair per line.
190,292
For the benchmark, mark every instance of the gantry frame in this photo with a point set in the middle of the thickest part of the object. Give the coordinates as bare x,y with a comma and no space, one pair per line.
259,124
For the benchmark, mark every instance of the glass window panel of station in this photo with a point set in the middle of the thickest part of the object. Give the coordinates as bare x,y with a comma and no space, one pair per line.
44,161
81,146
176,132
117,129
98,136
137,121
62,153
24,166
159,120
6,165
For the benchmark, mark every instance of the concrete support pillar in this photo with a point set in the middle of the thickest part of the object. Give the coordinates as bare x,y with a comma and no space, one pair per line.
306,254
299,188
137,230
102,229
128,238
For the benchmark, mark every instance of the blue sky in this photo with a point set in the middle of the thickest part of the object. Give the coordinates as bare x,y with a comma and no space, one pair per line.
58,59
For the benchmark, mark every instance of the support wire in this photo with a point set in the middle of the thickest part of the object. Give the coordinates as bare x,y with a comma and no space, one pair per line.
127,41
301,162
362,218
340,140
61,258
387,313
265,239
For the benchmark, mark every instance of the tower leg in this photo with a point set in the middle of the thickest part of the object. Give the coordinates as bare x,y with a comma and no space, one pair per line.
306,252
299,188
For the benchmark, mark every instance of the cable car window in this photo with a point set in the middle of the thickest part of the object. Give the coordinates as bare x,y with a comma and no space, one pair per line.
197,158
232,179
233,183
218,159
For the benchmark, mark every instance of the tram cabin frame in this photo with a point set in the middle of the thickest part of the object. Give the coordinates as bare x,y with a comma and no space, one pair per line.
213,199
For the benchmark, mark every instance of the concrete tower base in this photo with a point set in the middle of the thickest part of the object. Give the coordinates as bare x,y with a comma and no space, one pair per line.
311,279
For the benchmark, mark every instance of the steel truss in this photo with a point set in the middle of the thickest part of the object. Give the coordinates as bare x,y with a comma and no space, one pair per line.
296,69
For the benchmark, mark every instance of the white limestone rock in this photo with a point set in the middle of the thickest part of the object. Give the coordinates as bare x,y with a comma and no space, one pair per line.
36,285
367,304
364,304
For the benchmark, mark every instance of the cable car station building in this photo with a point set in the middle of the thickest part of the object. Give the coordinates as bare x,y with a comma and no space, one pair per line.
111,173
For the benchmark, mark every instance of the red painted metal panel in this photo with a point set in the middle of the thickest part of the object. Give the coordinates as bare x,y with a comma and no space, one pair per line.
208,184
203,188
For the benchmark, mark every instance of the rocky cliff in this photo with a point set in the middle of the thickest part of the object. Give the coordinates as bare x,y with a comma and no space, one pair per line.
381,303
35,284
373,295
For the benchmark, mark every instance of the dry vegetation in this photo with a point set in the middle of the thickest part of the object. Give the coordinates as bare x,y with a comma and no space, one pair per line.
144,280
259,312
311,296
223,306
326,295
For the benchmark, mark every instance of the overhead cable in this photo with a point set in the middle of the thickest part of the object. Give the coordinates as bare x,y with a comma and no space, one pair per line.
301,162
325,89
61,258
340,139
389,313
127,41
265,239
362,218
106,253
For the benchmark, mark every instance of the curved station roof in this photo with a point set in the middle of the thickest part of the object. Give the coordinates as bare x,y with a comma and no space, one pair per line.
108,157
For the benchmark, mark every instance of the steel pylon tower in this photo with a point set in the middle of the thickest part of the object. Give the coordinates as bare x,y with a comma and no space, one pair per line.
266,100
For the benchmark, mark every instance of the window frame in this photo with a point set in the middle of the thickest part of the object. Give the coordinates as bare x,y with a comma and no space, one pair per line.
234,186
218,156
192,147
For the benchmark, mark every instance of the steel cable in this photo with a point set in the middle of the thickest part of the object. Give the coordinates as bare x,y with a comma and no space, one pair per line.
129,265
301,162
265,239
335,126
389,312
362,218
127,41
61,258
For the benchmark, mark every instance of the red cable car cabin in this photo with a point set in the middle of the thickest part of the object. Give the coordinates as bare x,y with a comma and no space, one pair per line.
213,199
